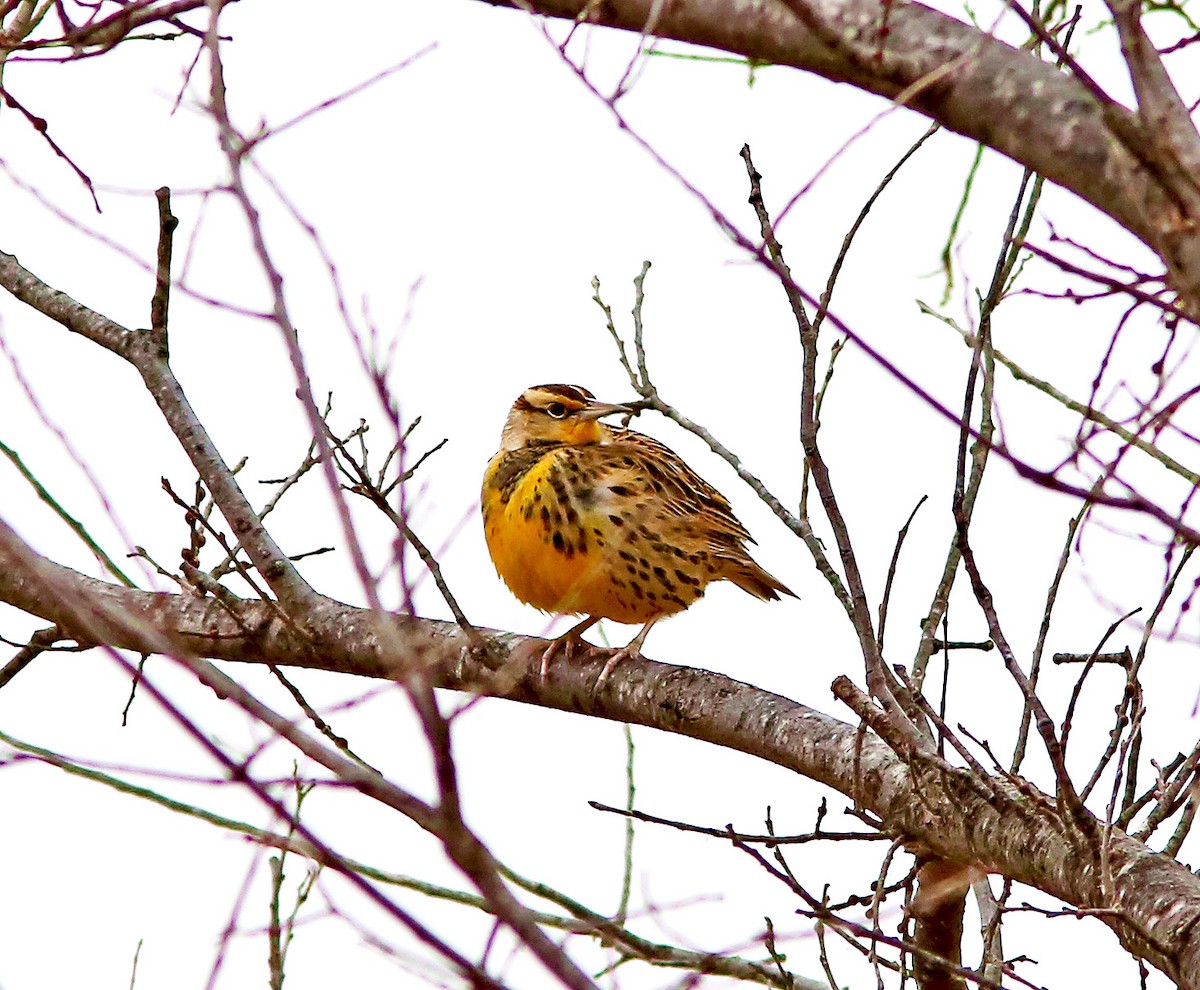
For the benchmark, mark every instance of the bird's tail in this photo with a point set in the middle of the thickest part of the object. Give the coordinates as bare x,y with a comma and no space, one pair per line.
751,578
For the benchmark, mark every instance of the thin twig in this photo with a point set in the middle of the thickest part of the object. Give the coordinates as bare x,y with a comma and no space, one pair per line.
160,301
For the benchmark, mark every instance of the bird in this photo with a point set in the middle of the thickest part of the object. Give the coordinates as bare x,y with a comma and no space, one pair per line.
583,518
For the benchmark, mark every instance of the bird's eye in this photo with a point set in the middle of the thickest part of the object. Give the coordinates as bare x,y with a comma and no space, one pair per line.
557,410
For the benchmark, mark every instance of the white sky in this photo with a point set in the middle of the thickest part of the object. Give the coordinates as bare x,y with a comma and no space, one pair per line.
487,174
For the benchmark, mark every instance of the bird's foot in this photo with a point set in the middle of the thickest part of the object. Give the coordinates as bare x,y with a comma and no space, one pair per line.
567,644
624,653
633,651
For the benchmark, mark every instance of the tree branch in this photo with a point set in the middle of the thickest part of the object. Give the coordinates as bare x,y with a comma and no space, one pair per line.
142,349
973,84
1155,902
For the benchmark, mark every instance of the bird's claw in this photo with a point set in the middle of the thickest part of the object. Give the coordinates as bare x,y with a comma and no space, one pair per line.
625,653
567,645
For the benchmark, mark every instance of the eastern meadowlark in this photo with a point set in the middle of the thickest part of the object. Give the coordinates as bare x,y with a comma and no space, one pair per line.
587,519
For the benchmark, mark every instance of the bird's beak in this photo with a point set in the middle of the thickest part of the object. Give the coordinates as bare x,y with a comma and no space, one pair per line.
598,410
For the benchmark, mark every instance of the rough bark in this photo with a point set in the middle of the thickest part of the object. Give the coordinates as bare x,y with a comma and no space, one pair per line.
1042,117
1036,114
939,906
999,826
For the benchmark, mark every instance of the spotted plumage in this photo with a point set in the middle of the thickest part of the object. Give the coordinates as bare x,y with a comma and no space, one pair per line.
587,519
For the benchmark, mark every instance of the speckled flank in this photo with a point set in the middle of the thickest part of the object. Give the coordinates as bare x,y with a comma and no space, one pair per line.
615,525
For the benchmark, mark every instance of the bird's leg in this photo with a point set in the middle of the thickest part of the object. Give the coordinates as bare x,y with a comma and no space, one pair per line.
631,652
567,642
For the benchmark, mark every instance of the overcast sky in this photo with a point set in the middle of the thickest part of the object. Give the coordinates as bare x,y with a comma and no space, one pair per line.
467,202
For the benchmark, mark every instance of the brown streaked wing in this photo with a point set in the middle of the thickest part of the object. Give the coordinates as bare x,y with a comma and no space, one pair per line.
688,494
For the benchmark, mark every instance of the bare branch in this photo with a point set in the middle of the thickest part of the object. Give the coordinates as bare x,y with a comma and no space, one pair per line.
141,351
965,826
1040,116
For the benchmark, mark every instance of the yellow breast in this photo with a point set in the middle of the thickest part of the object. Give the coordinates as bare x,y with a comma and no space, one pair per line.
535,538
583,518
548,522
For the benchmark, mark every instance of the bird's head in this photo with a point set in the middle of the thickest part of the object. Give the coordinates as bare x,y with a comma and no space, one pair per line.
557,414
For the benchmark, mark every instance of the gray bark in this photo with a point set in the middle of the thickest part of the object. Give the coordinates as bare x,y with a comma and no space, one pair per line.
1148,899
1136,165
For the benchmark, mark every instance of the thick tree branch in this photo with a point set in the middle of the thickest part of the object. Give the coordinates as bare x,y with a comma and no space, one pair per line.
1006,98
98,619
938,907
1154,906
143,350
